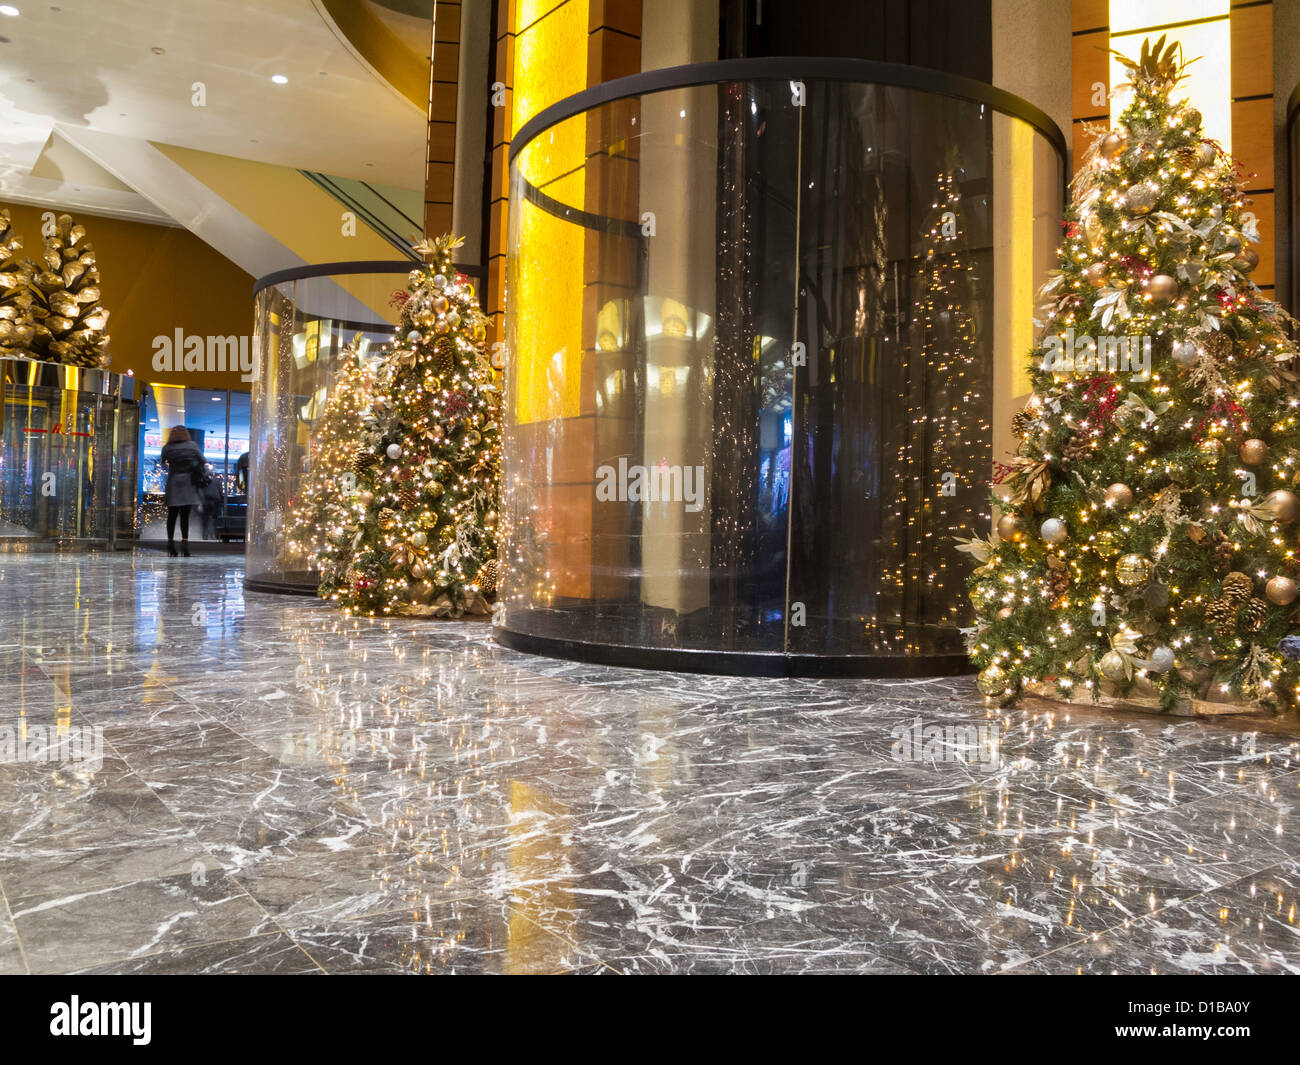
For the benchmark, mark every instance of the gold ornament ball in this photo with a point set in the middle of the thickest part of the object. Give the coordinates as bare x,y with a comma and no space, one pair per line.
1281,591
1209,452
1112,666
1113,143
1246,260
1132,570
439,304
1119,495
1254,452
1095,274
1004,613
991,681
981,595
1009,527
1205,155
1139,199
446,534
1190,118
1162,288
367,497
418,539
1283,505
436,488
1106,544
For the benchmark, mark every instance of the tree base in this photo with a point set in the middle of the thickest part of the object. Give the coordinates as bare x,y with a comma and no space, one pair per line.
1187,706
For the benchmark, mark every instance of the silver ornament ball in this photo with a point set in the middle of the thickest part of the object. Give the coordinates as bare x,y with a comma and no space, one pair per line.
1053,531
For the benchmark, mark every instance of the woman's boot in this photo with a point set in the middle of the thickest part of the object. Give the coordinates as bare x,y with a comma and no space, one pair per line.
171,548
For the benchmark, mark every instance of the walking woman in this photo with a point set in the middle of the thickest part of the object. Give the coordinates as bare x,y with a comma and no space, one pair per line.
183,460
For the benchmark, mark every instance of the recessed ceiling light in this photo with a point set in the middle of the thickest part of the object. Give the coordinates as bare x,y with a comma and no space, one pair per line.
8,9
279,79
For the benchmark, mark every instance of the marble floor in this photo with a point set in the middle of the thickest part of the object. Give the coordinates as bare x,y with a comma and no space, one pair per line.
198,779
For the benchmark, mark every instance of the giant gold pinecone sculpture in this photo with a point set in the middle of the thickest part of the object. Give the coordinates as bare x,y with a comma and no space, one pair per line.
68,319
15,292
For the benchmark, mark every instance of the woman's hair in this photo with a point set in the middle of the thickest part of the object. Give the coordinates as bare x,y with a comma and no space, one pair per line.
176,434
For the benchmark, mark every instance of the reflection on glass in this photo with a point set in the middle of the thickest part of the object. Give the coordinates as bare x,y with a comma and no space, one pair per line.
67,451
218,421
754,365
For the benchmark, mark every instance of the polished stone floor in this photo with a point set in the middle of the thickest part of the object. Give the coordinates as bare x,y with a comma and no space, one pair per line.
283,790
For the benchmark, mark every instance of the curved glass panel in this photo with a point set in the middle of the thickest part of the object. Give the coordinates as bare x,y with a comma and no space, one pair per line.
67,453
300,331
301,328
759,334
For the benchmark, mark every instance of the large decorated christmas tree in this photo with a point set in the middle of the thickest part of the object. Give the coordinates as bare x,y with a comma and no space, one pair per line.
327,497
1146,544
422,535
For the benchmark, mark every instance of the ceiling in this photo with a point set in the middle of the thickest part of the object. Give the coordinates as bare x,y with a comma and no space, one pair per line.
129,68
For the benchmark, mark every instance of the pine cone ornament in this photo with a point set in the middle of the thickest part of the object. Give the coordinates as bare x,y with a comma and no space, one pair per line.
1237,587
1021,422
1223,552
409,496
1222,615
1253,615
487,577
362,461
387,518
1058,578
444,361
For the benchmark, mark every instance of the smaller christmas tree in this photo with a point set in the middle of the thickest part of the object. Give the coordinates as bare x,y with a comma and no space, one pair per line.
67,318
423,536
15,292
328,496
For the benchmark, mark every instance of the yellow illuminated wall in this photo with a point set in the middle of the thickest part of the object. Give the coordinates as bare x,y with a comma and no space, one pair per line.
550,64
1204,30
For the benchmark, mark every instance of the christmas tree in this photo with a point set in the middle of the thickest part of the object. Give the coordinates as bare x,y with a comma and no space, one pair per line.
67,318
422,538
15,292
327,497
1146,548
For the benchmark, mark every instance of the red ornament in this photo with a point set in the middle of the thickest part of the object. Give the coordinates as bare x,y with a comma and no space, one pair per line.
399,298
456,404
1101,398
1230,414
1137,266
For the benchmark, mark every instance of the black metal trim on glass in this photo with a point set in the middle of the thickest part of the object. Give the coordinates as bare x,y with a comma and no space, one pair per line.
353,266
260,584
736,663
1293,105
791,68
600,223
